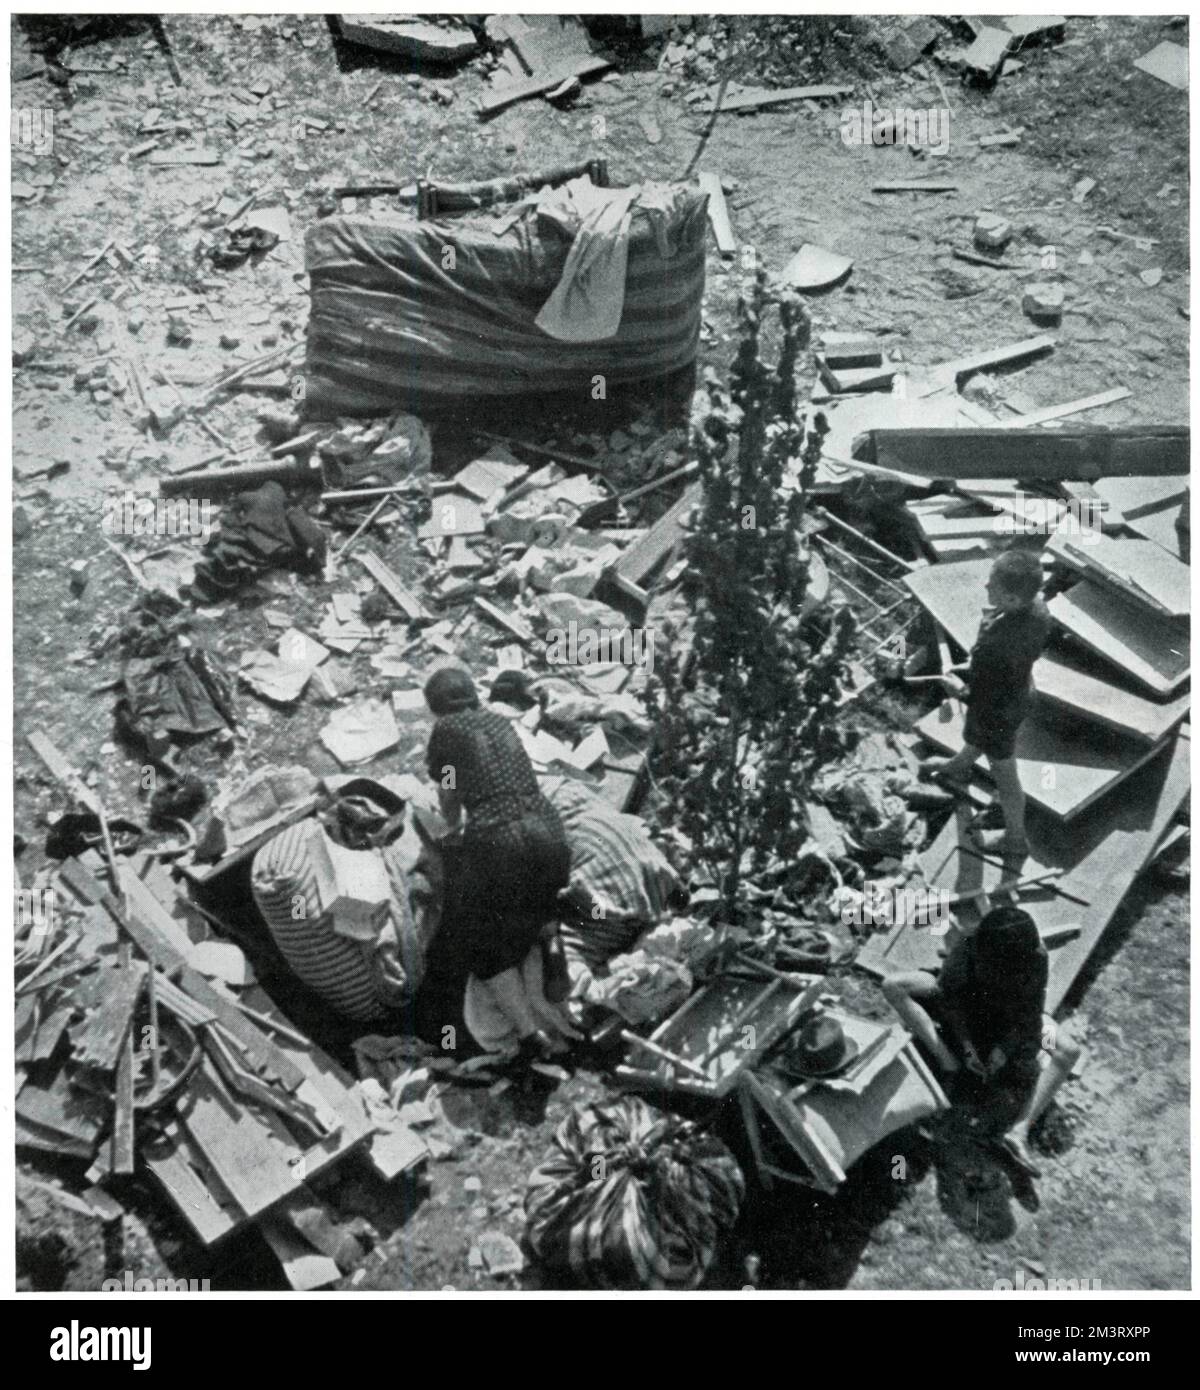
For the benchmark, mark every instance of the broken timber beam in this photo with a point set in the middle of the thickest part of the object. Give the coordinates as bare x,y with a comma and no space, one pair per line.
762,96
645,555
584,66
404,599
1076,453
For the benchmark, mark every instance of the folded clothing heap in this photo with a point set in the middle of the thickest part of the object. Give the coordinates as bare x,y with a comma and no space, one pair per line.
258,531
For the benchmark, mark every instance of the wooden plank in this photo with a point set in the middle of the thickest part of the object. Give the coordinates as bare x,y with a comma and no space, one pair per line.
45,1037
1060,412
509,622
30,1135
718,215
171,1162
122,1146
146,920
262,1052
239,1148
646,554
409,604
1155,652
1162,528
304,1268
935,378
764,96
96,1041
936,525
1136,570
1073,452
584,66
1062,772
62,771
62,1109
1063,684
175,157
915,186
1101,854
1135,497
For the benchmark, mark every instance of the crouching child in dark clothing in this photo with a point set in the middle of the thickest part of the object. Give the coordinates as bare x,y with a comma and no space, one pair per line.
985,1012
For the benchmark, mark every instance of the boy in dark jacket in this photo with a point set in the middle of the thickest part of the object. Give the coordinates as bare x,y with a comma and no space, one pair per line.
984,1012
997,687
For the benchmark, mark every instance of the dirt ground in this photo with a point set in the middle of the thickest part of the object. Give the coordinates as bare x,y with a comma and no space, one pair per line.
1113,1203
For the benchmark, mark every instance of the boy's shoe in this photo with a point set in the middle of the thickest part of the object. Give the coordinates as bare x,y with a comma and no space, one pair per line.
1003,843
934,770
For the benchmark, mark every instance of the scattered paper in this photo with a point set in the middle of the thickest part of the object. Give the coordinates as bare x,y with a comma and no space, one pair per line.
361,732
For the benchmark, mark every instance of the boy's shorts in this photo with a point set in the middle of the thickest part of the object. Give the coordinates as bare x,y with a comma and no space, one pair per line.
994,733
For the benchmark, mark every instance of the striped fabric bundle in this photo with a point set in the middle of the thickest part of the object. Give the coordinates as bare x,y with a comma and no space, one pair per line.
428,315
631,1199
360,981
620,880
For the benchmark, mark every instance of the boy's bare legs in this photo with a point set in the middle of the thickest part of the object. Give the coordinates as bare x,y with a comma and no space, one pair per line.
902,991
1012,842
1050,1080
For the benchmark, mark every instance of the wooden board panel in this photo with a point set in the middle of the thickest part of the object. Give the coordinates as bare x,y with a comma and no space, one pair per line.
96,1040
1063,772
1134,569
718,214
644,556
1101,853
237,1145
173,1164
1063,684
62,1109
1072,452
501,97
122,1149
304,1268
1155,652
1160,527
1134,497
953,596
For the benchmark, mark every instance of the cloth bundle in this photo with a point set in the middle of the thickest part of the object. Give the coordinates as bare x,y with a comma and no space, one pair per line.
628,1198
621,883
170,687
258,531
361,981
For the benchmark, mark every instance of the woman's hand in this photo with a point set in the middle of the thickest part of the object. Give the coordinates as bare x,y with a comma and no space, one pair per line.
974,1063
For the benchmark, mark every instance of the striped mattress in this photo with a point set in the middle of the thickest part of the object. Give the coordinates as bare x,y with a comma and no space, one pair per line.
396,321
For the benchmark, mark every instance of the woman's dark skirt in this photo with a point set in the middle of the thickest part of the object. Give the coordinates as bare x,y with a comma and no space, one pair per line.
509,880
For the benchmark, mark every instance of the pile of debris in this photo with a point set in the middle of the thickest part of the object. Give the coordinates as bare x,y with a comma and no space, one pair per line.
1104,757
144,1043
